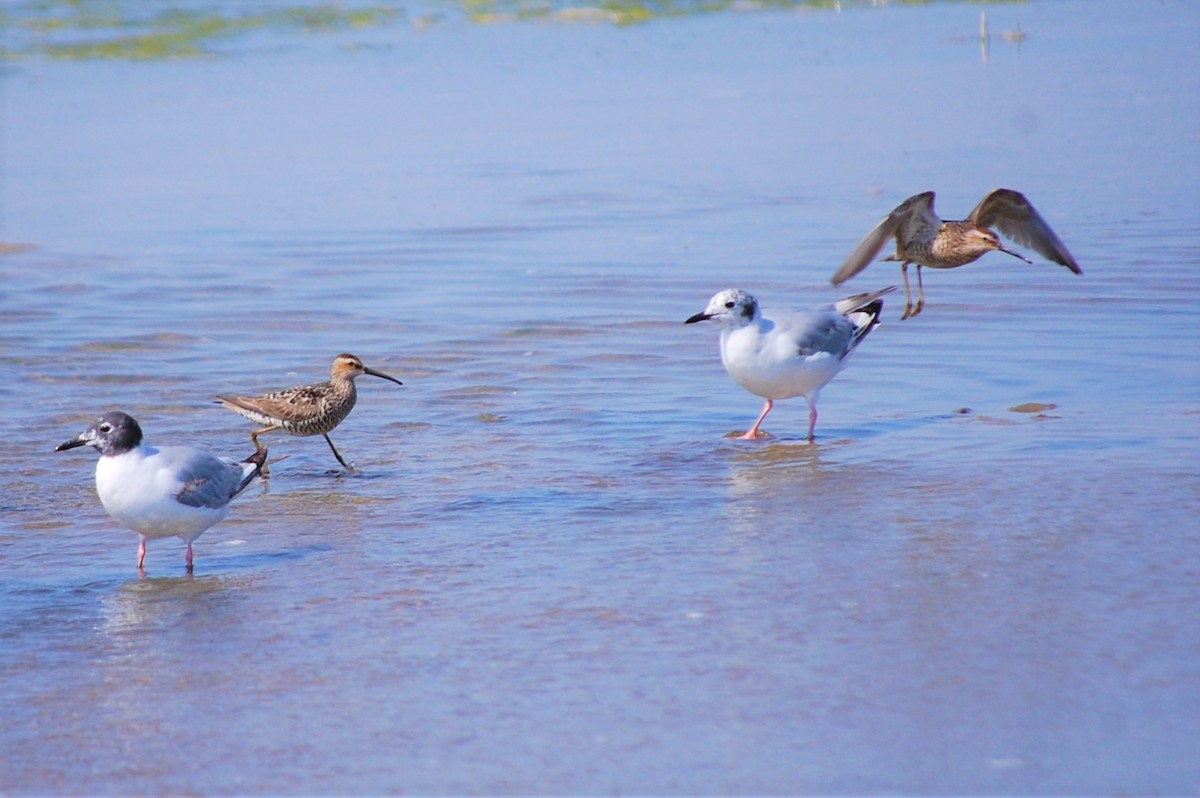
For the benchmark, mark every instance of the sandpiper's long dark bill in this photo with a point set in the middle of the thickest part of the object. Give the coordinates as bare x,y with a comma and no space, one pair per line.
782,355
926,240
172,491
307,409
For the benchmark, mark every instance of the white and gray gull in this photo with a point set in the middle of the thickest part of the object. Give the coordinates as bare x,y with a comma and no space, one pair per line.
783,355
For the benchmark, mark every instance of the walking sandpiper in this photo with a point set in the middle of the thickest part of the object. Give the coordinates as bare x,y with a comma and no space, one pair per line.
307,409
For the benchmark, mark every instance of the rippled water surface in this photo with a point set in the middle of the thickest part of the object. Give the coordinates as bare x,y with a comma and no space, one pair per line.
554,572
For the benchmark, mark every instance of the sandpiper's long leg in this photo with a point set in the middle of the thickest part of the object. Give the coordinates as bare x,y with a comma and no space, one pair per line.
753,433
345,465
141,552
812,418
920,294
264,472
258,447
189,557
907,295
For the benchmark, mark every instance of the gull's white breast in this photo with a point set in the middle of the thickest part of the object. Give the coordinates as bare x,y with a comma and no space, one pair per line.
767,358
139,489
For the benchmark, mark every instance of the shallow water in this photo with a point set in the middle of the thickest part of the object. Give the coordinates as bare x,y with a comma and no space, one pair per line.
554,573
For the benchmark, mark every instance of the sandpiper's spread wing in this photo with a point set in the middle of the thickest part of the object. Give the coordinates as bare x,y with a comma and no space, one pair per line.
1012,214
291,405
912,219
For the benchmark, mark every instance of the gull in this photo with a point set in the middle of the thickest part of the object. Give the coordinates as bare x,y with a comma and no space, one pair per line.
161,492
924,239
307,409
792,353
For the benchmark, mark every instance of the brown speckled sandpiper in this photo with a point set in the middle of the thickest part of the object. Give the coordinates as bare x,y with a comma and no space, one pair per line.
924,239
307,409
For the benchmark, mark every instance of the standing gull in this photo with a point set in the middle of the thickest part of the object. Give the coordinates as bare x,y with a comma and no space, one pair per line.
308,409
161,492
789,354
924,239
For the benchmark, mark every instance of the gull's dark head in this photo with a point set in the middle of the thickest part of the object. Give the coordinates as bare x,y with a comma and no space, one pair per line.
113,433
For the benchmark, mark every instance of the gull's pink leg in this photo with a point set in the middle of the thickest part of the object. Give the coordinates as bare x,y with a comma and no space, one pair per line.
812,418
753,433
141,552
189,556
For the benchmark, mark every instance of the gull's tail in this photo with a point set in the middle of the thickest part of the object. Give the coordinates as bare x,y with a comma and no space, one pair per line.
252,466
863,310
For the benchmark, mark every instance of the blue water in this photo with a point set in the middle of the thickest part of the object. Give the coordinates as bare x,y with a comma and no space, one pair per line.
553,572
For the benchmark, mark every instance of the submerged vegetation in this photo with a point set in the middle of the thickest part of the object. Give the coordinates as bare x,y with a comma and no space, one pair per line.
621,12
91,29
163,29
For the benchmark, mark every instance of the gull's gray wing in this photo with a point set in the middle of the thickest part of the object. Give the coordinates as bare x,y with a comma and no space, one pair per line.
913,214
1012,214
819,331
207,481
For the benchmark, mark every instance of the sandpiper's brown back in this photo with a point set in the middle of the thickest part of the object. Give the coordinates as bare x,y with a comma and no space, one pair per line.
307,409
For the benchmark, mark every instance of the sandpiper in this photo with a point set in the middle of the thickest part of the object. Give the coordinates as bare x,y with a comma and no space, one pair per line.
161,492
789,354
924,239
307,409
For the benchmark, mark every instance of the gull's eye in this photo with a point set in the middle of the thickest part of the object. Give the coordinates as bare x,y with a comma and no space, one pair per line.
106,428
729,304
